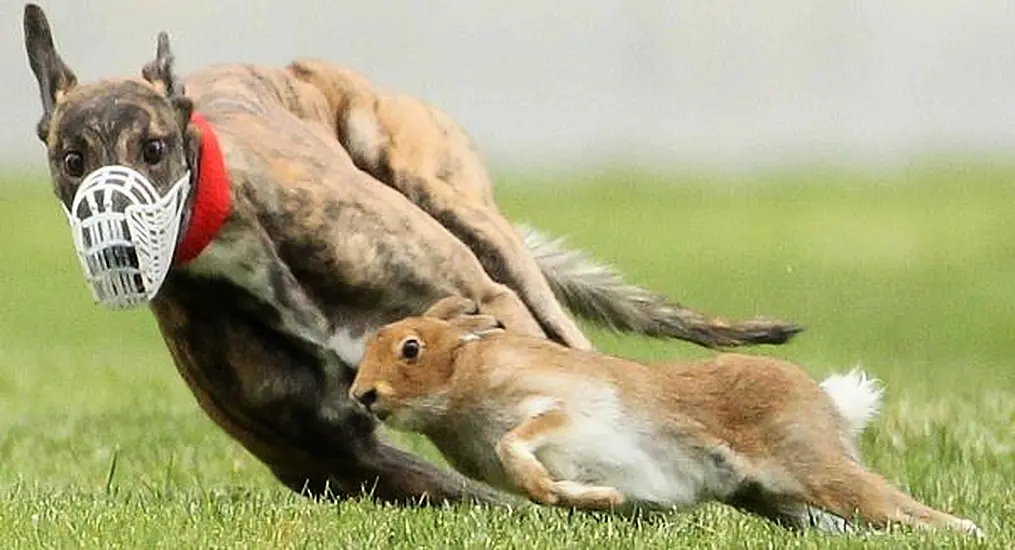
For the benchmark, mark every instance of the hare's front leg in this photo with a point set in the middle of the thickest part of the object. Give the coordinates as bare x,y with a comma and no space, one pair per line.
589,497
516,451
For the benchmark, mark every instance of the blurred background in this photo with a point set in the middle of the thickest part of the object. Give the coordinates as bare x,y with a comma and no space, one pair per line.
846,165
579,84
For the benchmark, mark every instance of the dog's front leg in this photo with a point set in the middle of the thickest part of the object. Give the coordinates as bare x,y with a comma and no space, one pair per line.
243,254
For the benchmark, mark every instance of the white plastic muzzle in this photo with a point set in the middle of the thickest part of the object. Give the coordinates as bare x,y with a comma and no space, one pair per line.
126,233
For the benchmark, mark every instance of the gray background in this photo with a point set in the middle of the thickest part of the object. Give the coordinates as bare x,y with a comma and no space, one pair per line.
568,84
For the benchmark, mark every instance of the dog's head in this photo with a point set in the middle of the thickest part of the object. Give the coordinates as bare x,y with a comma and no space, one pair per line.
408,365
136,122
121,153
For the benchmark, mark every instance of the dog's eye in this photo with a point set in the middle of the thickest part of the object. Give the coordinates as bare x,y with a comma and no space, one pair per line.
410,348
152,151
74,164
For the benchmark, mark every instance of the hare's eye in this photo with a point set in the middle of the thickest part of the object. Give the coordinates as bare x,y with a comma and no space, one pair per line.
410,348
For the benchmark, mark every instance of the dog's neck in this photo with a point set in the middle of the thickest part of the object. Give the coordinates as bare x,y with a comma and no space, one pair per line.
212,196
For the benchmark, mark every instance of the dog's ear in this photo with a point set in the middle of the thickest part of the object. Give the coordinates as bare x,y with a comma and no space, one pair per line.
54,76
159,72
450,307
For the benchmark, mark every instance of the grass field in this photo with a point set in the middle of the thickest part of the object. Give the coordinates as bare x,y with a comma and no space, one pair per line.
910,275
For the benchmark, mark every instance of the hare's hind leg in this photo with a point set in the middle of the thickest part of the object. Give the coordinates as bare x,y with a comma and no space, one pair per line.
848,490
516,451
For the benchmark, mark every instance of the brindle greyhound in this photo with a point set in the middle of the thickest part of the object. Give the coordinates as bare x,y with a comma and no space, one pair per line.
310,210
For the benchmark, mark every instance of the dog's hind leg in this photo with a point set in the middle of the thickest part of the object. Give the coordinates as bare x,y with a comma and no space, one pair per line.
425,156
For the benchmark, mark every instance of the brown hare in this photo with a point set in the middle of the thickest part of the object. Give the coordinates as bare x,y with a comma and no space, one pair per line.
587,430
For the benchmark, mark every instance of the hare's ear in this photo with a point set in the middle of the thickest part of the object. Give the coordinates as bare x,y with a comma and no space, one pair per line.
54,77
453,306
463,314
474,327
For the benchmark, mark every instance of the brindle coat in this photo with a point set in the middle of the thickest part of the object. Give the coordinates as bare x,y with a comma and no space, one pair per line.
350,209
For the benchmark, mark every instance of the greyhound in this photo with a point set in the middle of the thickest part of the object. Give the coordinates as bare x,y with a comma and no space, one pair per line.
273,218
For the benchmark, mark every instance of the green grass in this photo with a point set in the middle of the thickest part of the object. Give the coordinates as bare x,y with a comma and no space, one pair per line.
910,275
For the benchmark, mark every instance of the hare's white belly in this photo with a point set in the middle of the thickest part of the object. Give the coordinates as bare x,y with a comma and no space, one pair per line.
607,444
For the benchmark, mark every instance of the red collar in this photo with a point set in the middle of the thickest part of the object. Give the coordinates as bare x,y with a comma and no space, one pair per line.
211,204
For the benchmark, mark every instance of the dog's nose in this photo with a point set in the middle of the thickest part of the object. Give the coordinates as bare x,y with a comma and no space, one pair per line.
367,398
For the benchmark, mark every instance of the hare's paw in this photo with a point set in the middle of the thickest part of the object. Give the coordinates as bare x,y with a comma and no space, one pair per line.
541,491
581,495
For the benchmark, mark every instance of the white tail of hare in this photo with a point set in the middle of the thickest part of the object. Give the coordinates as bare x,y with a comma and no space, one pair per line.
587,430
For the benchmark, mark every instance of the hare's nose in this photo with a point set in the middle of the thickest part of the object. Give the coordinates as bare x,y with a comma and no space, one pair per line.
367,398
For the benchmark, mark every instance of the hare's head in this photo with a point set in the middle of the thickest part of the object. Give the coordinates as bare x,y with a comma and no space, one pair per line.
408,365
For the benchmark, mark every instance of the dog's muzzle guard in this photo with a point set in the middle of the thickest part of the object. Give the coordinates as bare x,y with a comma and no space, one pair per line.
126,233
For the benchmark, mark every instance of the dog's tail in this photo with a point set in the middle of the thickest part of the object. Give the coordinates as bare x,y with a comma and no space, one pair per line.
856,396
597,293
